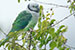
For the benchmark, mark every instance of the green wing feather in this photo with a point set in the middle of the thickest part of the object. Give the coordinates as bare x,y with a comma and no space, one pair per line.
20,23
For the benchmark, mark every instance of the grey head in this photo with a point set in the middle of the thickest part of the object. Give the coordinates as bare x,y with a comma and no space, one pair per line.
34,7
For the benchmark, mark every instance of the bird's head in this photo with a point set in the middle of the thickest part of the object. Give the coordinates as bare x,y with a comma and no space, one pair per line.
33,7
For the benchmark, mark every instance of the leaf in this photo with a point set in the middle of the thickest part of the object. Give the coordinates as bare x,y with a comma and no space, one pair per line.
42,41
33,33
43,49
9,47
43,16
61,26
52,13
68,49
41,7
40,13
52,21
40,45
48,39
7,44
48,14
51,30
23,42
33,48
59,44
52,44
64,30
62,48
18,1
47,18
50,49
23,35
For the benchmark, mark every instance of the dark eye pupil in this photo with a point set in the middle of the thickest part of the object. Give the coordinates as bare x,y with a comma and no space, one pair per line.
33,6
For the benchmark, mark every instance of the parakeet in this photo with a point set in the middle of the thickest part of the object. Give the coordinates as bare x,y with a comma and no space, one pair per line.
25,20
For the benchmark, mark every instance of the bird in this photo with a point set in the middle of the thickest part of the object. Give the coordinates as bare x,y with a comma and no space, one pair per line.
27,19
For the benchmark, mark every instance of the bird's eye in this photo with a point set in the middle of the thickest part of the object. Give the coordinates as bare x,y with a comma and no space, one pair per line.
33,6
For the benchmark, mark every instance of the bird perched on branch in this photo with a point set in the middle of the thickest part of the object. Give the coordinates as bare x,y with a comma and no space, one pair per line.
25,20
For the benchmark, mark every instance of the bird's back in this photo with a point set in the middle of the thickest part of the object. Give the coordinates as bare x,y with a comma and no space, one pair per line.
21,21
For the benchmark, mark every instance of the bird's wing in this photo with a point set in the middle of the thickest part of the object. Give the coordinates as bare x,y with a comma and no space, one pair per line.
21,21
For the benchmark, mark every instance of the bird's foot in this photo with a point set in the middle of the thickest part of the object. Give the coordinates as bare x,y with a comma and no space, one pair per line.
31,29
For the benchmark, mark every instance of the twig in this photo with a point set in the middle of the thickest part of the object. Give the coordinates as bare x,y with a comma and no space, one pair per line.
30,39
45,46
17,44
22,39
62,19
52,4
4,48
70,46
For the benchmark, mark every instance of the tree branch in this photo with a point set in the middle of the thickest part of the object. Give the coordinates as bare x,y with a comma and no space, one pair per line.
17,44
52,4
62,19
30,39
22,39
70,46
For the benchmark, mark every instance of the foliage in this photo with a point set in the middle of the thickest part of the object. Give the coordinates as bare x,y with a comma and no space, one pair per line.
45,34
72,6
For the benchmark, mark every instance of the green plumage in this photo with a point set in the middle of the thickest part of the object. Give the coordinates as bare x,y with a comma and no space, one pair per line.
23,21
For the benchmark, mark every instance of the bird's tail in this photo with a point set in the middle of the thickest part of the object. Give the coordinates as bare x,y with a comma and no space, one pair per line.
4,41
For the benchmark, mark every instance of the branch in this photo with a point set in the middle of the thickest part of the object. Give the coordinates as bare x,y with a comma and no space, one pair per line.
52,4
62,19
30,39
22,39
4,48
70,46
57,22
17,44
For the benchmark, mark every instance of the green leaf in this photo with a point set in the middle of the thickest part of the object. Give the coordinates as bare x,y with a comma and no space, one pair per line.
48,39
9,47
59,44
23,42
43,16
43,49
40,13
33,48
7,44
18,1
48,14
53,13
41,7
50,49
64,30
23,35
61,26
42,41
52,44
33,33
62,48
40,45
68,49
47,18
51,30
52,21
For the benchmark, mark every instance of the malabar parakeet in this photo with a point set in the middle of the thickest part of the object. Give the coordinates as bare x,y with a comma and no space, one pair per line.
25,20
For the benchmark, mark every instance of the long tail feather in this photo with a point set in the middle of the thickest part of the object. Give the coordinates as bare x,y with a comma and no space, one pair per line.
4,41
